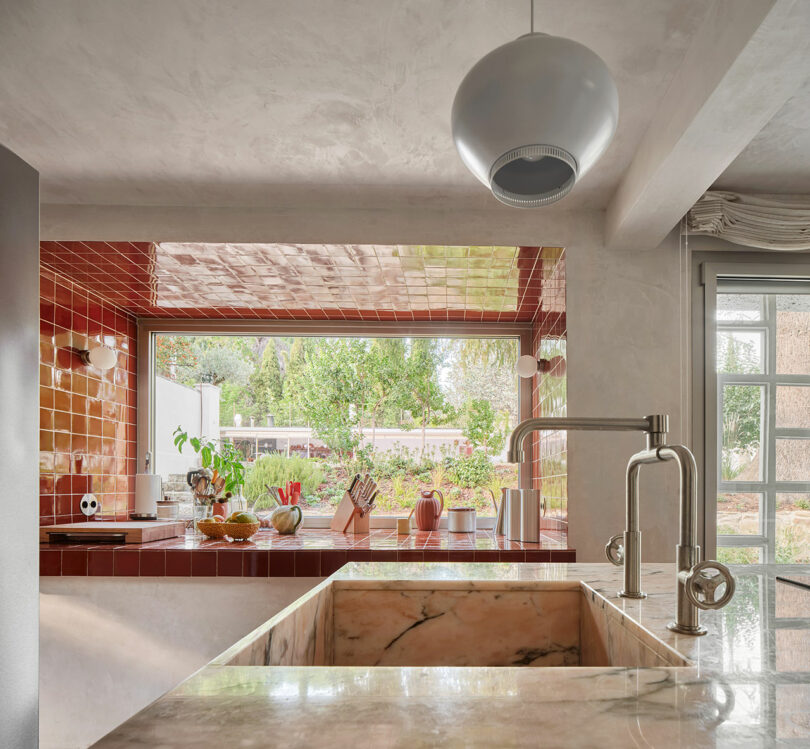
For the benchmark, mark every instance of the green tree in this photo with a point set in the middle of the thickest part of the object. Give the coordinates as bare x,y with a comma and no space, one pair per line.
384,364
485,367
742,406
216,365
481,427
421,393
173,352
326,391
266,382
295,365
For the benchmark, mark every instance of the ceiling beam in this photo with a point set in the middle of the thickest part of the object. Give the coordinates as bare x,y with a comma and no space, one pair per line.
745,62
334,223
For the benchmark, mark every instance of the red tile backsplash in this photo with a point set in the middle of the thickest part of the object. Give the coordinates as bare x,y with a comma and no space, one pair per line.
302,282
87,417
93,291
549,392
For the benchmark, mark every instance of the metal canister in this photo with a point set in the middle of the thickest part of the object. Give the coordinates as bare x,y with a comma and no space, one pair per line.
530,500
461,520
511,508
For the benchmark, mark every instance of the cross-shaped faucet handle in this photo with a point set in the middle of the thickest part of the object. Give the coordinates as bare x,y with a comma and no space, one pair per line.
701,587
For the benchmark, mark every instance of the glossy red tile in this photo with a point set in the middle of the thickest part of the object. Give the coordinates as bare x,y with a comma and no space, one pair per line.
269,281
153,563
281,563
512,555
127,562
203,563
229,563
100,562
72,401
255,563
74,562
307,563
178,563
50,562
332,561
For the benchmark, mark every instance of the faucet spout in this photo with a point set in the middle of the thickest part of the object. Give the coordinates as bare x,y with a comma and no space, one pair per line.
695,587
657,424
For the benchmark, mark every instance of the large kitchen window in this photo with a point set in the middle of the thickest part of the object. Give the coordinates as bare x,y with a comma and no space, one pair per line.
415,412
761,426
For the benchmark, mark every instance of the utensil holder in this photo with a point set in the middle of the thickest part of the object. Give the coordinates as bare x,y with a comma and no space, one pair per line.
347,517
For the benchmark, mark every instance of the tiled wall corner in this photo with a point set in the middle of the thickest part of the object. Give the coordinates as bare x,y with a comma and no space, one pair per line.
87,417
549,393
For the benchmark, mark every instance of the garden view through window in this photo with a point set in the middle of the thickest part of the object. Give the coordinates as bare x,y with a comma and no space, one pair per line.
763,389
414,413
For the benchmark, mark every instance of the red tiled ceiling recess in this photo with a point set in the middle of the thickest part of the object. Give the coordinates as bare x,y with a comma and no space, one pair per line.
316,282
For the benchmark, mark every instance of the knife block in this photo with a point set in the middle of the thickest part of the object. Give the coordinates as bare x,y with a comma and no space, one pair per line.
346,510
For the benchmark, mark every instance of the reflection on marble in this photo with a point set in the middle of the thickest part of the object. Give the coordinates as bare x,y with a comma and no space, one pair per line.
731,694
611,638
300,635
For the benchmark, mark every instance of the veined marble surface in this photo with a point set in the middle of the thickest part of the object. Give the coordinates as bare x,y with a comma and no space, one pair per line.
747,683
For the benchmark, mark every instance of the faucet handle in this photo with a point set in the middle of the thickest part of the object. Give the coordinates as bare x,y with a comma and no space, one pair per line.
614,550
701,588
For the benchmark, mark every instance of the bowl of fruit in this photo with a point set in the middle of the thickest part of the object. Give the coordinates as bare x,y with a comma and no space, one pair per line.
238,525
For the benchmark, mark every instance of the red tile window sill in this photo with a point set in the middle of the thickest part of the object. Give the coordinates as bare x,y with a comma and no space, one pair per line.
310,553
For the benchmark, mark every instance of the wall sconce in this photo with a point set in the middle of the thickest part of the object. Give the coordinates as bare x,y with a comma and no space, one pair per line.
528,366
100,357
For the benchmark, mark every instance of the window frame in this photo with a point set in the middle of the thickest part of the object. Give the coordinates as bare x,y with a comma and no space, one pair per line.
149,328
772,273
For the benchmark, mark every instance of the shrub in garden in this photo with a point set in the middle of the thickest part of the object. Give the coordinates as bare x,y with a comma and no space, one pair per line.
471,470
277,470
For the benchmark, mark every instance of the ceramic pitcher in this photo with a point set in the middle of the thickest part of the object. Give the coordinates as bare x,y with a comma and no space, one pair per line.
428,510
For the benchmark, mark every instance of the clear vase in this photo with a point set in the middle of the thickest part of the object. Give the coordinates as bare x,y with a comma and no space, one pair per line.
238,503
201,510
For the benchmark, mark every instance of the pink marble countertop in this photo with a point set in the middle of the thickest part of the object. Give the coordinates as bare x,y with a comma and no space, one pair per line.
747,682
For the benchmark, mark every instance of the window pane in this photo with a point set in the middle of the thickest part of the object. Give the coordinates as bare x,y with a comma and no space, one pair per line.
738,514
793,334
740,351
739,554
792,602
792,460
742,420
793,407
793,528
318,410
793,650
739,307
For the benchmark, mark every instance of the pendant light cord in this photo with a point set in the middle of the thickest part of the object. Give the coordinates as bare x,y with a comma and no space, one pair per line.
531,16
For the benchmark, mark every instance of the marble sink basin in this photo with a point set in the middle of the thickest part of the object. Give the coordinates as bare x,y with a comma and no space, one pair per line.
450,623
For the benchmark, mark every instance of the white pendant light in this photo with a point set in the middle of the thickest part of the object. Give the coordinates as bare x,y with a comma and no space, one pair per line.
532,116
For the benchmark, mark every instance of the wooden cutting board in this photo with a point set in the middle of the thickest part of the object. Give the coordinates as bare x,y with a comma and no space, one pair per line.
133,532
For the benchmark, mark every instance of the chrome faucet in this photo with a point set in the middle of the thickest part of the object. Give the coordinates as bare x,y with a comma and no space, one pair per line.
695,588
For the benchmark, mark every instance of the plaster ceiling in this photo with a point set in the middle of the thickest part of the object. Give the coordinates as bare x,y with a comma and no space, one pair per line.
778,159
264,102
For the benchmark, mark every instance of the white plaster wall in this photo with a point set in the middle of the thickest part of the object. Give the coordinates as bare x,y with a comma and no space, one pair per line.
209,409
624,311
19,406
110,646
196,409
